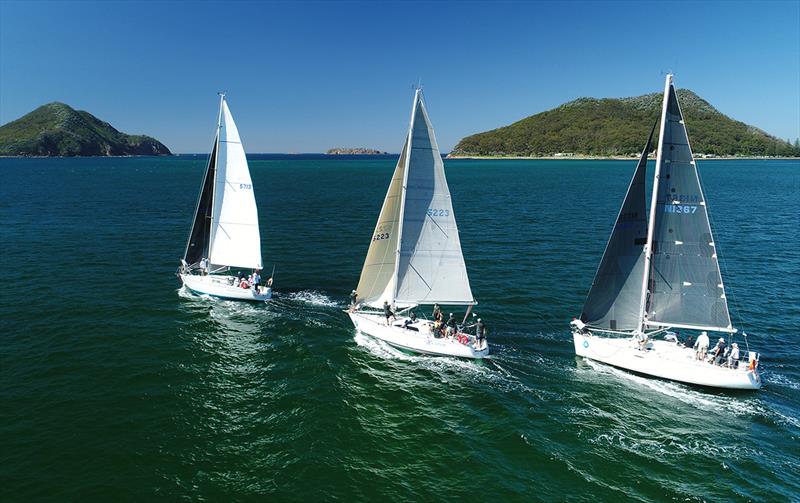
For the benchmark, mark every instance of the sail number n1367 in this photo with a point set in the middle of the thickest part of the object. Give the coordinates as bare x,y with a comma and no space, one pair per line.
679,208
436,212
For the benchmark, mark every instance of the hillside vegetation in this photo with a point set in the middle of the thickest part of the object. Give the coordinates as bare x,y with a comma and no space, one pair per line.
57,129
612,127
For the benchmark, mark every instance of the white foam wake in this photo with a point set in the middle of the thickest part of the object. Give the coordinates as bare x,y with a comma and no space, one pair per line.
312,297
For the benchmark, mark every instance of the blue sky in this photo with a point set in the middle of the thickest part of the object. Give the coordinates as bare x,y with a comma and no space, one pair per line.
307,76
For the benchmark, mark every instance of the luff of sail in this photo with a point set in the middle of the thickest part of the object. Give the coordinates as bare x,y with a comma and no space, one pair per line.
613,300
430,266
685,284
235,238
377,281
200,235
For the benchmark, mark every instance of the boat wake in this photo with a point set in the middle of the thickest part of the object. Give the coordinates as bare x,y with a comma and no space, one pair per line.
749,406
781,380
312,297
445,367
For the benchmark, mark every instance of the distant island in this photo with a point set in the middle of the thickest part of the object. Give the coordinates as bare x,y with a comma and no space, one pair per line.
354,151
57,129
591,128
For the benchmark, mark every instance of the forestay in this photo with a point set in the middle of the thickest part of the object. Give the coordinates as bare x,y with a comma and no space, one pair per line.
235,239
613,300
430,265
685,284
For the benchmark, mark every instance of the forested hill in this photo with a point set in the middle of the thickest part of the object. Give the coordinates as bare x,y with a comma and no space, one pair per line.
57,129
615,127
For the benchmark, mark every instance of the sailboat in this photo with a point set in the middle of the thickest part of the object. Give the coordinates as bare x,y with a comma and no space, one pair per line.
662,273
414,256
224,232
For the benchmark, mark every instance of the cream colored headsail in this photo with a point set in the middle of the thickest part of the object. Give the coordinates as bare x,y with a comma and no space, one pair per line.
378,275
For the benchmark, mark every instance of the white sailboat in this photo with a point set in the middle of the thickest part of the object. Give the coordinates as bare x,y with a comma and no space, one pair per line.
662,274
224,232
415,257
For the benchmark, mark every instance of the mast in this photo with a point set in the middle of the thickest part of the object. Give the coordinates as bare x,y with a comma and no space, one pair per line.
648,248
395,277
214,192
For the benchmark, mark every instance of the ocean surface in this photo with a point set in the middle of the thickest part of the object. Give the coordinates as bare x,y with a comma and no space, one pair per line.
116,386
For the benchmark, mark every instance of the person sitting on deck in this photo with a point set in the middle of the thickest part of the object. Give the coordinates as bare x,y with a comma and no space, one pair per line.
437,313
412,318
387,311
733,358
689,342
701,346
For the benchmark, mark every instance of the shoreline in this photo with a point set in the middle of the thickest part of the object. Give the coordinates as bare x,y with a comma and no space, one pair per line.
609,158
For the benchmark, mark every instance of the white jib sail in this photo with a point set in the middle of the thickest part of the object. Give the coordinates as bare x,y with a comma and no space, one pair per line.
430,266
235,239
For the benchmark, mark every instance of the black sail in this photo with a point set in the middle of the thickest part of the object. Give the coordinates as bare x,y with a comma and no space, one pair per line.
197,247
614,299
685,284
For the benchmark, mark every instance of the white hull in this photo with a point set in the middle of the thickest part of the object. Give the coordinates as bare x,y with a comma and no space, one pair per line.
221,286
420,341
664,359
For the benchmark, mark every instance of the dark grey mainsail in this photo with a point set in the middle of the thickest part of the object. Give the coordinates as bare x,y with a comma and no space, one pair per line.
199,237
685,285
613,300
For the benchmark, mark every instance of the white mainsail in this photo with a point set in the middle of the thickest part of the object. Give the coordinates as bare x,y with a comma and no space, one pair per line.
235,238
415,256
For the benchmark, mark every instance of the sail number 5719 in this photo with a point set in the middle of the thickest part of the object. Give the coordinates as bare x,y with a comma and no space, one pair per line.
245,186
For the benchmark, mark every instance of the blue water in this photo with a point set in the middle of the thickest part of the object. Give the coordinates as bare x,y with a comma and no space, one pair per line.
115,386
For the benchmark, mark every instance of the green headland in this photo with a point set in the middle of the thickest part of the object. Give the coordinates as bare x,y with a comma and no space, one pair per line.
57,129
608,127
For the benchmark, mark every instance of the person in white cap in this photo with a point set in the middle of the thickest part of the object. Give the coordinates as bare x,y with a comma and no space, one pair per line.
733,358
701,345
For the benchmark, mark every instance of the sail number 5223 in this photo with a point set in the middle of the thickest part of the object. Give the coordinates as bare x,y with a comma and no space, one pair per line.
436,212
380,236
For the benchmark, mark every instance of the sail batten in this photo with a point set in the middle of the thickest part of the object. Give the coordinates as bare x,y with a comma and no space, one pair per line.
684,283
